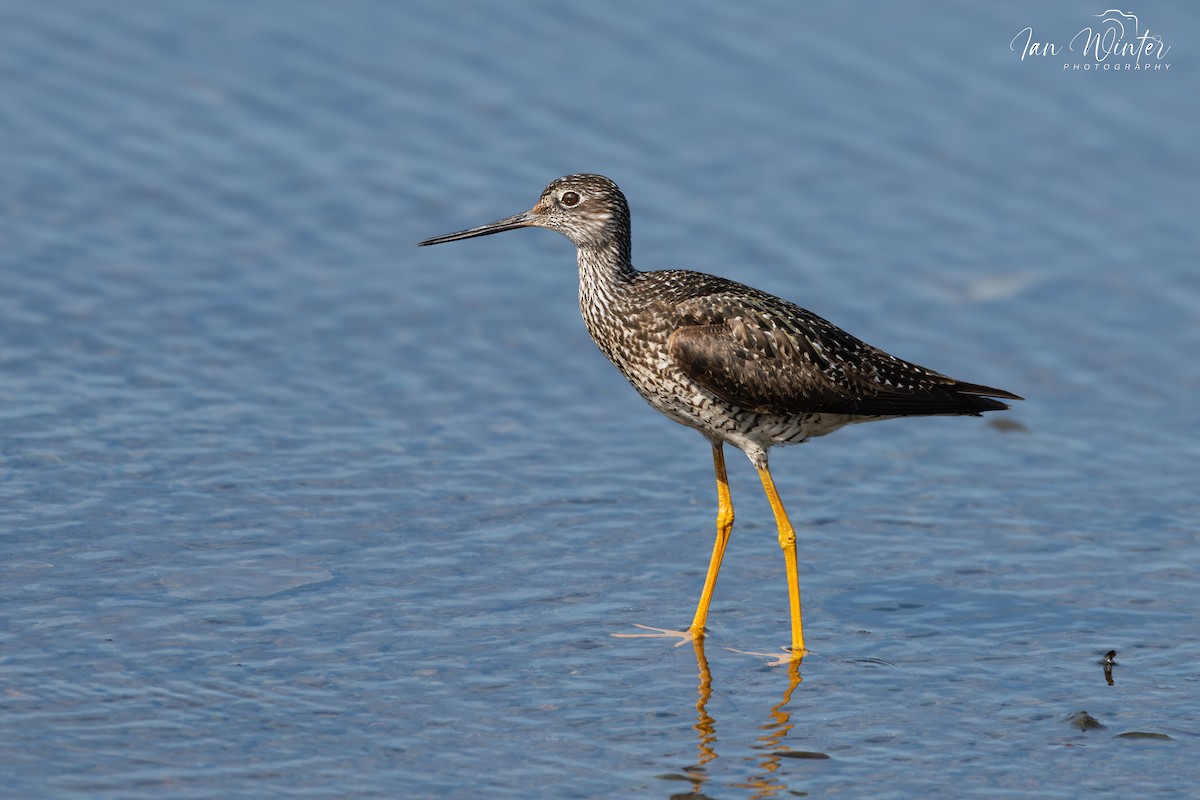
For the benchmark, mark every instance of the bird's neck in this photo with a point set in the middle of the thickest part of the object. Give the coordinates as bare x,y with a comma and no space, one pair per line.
603,272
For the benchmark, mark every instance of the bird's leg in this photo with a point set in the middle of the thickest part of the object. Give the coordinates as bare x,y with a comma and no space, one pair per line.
787,541
724,527
695,631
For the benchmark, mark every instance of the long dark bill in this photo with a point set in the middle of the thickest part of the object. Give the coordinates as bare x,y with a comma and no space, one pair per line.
522,220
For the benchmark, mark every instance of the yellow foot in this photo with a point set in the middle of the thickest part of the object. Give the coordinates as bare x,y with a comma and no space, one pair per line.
780,659
659,633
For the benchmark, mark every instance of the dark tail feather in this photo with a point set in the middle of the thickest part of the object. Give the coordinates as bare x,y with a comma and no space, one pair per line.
981,398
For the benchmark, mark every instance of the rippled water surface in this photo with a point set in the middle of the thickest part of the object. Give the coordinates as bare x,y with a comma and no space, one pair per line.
290,507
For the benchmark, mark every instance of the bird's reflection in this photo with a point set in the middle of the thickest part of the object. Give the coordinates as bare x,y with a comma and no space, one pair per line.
766,783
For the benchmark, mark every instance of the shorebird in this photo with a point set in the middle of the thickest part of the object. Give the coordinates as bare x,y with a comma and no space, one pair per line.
739,365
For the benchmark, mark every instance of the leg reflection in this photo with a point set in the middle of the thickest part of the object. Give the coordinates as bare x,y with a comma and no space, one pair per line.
771,745
706,726
767,783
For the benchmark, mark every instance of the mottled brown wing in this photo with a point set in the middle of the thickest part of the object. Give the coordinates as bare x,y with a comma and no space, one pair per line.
755,369
766,355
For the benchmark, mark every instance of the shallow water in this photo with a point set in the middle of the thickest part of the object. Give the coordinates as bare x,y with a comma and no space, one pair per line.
292,507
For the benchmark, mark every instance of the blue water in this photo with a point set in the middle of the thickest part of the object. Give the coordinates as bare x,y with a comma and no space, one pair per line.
290,507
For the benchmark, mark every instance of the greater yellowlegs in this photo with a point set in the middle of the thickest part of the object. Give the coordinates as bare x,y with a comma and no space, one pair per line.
738,365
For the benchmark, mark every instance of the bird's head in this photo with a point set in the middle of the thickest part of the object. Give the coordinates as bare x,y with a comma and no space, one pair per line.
588,209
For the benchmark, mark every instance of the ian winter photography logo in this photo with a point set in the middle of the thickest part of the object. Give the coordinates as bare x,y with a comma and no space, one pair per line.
1116,43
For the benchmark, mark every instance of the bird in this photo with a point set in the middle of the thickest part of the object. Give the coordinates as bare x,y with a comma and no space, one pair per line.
739,365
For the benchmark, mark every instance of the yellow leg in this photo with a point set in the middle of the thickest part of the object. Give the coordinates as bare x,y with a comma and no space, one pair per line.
787,540
724,526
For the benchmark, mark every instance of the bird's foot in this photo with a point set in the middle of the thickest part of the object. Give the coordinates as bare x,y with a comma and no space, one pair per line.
660,633
780,659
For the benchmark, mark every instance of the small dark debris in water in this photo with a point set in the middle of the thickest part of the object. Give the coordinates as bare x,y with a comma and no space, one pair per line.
674,776
1109,661
1085,721
690,796
800,754
1007,425
890,607
1144,735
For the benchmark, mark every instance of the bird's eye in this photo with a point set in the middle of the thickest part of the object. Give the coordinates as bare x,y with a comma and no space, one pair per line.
570,199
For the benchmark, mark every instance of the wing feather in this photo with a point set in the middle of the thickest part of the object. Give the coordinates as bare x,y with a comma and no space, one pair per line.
769,356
